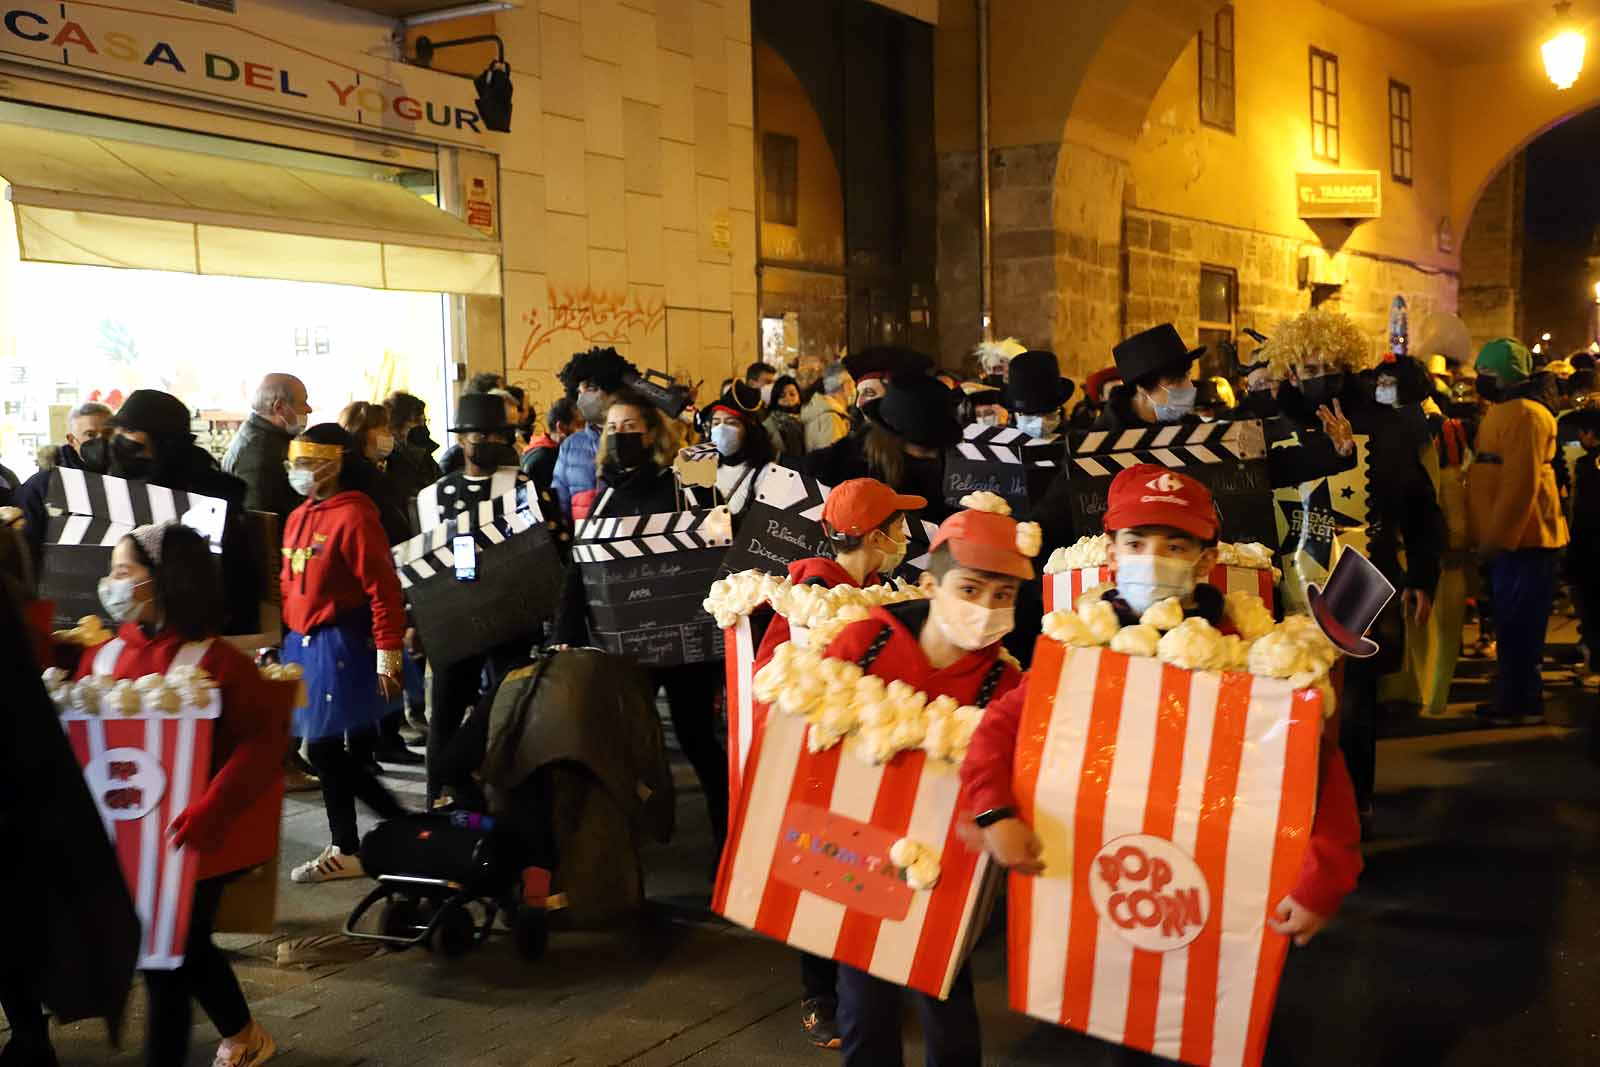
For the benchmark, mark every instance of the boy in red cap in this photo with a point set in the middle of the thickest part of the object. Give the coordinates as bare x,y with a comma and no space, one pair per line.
1163,528
946,645
865,523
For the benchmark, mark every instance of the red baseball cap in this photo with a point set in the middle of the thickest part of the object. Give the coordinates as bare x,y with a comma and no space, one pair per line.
861,505
984,541
1148,495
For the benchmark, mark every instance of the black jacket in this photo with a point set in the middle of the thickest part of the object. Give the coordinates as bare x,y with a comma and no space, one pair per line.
257,455
411,469
539,464
1583,565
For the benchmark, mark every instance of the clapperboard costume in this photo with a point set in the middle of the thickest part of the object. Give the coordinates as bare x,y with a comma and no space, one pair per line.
475,630
1228,458
784,524
90,513
1005,461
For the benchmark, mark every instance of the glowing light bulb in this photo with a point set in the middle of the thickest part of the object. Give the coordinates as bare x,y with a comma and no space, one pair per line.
1563,57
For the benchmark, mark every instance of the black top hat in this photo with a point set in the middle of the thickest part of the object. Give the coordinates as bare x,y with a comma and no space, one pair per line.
1034,385
1156,350
920,409
153,412
482,413
1349,604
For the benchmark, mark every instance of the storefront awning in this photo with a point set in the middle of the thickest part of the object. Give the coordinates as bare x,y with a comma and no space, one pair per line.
111,203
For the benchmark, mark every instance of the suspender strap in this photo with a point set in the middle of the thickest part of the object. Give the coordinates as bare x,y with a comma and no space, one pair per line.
874,650
990,682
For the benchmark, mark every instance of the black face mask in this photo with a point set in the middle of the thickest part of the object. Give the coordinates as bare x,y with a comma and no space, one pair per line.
96,455
418,435
128,459
1261,403
625,451
490,454
789,409
1489,387
1322,390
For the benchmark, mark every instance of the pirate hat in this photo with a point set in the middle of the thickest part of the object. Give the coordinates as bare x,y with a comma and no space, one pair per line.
1350,603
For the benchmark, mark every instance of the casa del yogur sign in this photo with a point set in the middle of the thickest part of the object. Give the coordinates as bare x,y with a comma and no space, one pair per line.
1340,194
197,53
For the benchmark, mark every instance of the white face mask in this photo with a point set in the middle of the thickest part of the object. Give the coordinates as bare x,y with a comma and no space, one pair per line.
1145,580
891,560
727,439
1038,425
384,445
766,393
973,626
117,595
989,420
302,481
1388,395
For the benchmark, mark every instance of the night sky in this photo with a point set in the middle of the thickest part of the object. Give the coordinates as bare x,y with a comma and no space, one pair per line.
1564,181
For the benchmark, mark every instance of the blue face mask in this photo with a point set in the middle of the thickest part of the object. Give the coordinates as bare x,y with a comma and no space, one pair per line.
1179,405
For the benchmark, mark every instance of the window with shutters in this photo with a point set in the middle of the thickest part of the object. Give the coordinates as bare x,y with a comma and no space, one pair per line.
1400,131
1216,71
780,173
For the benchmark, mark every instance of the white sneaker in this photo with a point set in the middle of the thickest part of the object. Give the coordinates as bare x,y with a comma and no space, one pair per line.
329,866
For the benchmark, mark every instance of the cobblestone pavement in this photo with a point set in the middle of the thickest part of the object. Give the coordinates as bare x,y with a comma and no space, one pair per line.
1473,940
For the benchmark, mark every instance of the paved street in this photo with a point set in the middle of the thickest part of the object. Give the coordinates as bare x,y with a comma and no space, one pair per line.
1473,941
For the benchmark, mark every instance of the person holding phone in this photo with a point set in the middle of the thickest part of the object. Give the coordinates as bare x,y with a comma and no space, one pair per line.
344,620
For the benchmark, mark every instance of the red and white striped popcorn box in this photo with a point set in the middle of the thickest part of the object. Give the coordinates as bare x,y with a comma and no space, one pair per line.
807,859
1174,807
1062,588
739,653
143,770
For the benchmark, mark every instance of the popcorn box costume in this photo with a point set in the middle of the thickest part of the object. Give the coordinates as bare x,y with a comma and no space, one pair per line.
145,750
1174,806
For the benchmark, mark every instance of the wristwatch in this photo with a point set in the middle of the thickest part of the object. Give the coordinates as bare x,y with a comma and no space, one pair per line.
986,819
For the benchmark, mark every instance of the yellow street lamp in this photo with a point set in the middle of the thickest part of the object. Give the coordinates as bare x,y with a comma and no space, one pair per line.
1563,53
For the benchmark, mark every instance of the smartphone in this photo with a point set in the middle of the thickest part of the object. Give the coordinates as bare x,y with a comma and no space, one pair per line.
465,551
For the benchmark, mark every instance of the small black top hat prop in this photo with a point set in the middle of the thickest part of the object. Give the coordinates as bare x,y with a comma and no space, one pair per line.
483,412
1035,385
1349,604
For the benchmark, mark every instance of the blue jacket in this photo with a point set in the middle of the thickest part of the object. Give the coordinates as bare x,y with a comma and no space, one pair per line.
575,466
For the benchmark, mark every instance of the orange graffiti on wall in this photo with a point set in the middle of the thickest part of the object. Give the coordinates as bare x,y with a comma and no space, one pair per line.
597,318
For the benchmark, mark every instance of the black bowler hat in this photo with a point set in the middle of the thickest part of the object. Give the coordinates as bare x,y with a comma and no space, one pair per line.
920,409
1034,385
1158,349
481,413
1350,603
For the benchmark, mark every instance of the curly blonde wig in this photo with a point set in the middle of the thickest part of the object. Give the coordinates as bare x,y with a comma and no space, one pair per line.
1331,333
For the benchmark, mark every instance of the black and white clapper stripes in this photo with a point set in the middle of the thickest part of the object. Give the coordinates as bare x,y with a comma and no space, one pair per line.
630,536
490,522
1100,453
455,494
1005,444
97,510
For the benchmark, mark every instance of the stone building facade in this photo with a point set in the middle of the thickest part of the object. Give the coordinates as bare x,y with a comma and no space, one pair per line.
1492,258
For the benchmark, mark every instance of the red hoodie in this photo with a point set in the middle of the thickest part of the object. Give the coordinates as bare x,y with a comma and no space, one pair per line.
818,570
336,560
1332,862
904,659
234,824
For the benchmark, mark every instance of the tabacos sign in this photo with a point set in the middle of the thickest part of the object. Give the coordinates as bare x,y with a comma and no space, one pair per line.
198,54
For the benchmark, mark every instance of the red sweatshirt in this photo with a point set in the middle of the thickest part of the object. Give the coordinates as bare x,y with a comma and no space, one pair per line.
234,825
904,659
1332,862
818,570
335,560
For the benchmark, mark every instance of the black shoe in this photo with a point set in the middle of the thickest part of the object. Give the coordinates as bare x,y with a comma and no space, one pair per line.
400,754
1491,715
374,768
296,762
817,1019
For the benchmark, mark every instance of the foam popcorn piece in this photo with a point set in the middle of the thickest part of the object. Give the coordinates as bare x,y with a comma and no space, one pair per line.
993,503
1235,654
923,873
904,852
1193,644
1296,650
1163,615
1140,640
55,678
1084,552
1068,628
1101,619
1030,538
123,699
1249,614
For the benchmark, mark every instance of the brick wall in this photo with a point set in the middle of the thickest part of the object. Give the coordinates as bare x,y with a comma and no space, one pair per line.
1491,258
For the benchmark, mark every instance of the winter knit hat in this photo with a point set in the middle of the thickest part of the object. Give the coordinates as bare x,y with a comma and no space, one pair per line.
1507,359
149,538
